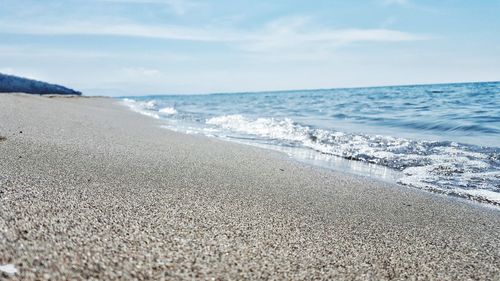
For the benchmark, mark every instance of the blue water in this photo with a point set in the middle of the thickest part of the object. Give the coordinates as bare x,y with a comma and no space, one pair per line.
443,138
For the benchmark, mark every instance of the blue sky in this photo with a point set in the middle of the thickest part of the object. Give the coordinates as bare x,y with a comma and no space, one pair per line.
137,47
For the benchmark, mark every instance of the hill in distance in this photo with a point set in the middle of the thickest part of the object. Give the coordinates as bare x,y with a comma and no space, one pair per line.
14,84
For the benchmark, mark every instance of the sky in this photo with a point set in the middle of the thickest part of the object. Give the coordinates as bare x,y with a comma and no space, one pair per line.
141,47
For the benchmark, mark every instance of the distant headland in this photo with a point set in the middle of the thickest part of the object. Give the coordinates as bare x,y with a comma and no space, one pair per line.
14,84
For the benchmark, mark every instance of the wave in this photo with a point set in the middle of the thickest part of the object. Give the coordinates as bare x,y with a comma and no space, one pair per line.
326,126
149,108
142,107
168,111
440,166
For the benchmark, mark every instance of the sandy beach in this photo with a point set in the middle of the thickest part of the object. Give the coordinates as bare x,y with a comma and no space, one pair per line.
91,190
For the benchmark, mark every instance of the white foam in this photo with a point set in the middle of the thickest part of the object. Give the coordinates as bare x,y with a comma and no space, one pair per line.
436,166
265,127
10,269
483,194
144,108
168,111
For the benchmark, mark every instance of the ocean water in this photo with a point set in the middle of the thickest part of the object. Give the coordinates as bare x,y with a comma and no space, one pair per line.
442,138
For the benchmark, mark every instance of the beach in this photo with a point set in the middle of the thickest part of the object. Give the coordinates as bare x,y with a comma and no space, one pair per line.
92,190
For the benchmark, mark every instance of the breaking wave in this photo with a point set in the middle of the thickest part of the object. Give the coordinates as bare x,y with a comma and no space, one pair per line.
439,166
440,138
149,108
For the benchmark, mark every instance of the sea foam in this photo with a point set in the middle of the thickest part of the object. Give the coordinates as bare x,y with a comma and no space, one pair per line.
143,107
444,167
168,111
441,138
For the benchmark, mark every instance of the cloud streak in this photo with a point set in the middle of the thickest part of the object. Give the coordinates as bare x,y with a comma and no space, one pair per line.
173,32
299,33
289,33
180,7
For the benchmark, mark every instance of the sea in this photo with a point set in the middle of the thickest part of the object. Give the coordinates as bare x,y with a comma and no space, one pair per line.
442,138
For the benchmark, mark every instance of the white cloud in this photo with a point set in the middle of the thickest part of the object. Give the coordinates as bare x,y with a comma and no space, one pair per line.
174,32
180,7
299,35
294,32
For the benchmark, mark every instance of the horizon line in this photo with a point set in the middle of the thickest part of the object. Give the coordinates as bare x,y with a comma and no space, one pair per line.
311,89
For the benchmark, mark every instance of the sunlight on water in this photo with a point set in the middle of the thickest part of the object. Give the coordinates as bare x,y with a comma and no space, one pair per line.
441,138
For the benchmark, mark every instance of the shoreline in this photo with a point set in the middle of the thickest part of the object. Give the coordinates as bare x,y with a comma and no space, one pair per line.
410,169
383,180
389,180
91,189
